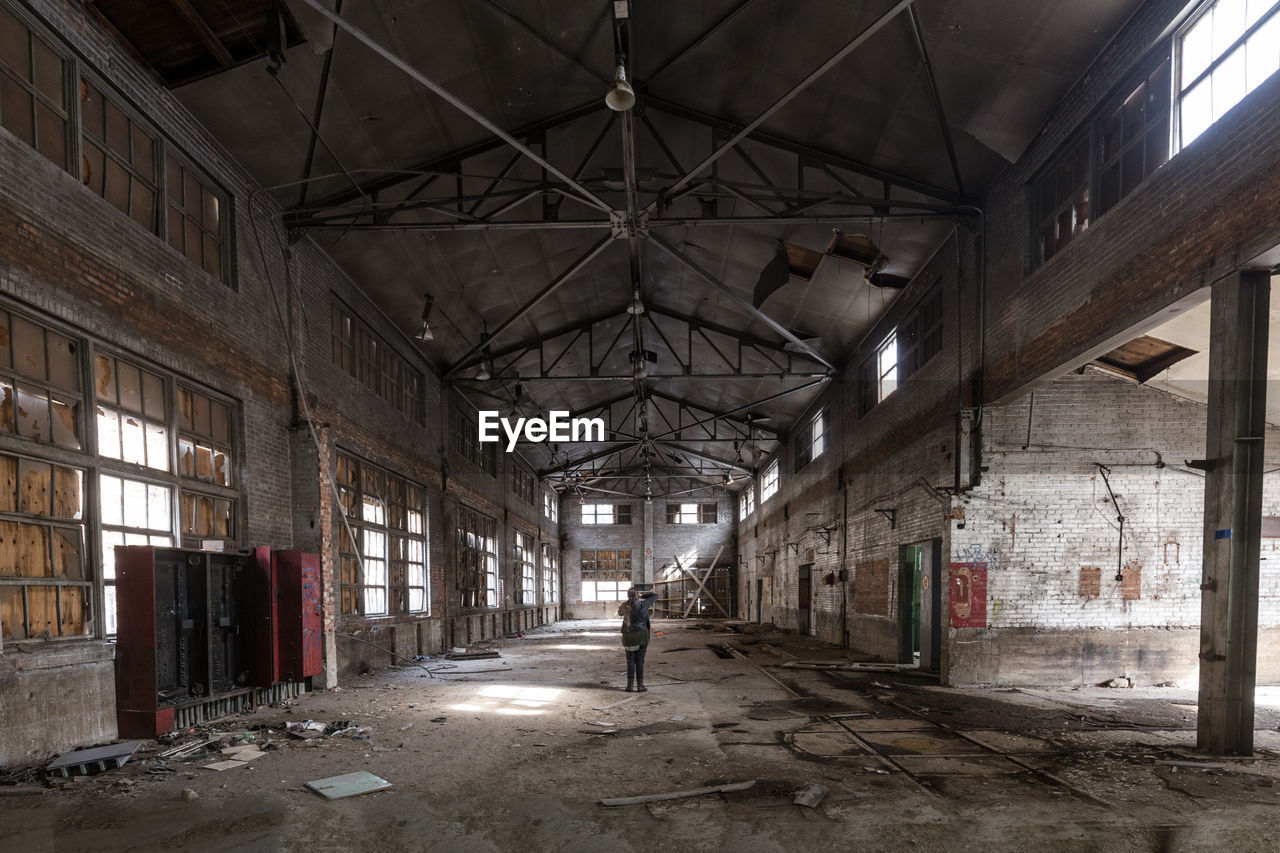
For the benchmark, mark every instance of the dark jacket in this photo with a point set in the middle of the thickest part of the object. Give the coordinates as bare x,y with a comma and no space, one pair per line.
639,611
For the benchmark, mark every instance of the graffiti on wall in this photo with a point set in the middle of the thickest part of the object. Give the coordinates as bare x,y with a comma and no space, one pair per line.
969,594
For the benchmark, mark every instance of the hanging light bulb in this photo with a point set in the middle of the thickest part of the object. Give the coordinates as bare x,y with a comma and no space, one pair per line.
484,373
636,307
621,97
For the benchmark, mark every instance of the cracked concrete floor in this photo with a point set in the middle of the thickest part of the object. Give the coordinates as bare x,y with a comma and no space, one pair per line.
514,754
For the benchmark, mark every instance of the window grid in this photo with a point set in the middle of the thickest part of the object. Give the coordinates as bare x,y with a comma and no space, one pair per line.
361,354
747,502
523,483
40,385
33,89
811,441
550,574
132,412
598,514
194,212
551,505
476,541
1062,199
769,482
606,574
44,589
525,556
691,513
466,441
1224,53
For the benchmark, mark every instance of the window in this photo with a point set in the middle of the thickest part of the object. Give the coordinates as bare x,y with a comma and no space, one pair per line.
879,374
131,413
606,575
33,89
206,510
194,211
133,512
523,483
606,513
811,440
119,157
161,466
1224,52
44,590
382,562
1061,199
524,559
476,540
40,386
357,351
691,513
769,482
466,441
1133,138
747,503
550,574
551,505
906,349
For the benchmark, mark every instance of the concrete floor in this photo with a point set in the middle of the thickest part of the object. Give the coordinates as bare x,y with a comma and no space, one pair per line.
519,761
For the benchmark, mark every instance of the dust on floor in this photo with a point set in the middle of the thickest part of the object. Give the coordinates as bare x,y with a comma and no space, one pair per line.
515,753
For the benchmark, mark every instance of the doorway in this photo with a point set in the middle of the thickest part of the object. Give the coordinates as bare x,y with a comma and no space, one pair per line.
759,598
920,604
803,599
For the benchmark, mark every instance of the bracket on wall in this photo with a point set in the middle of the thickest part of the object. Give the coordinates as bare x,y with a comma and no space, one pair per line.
891,514
827,531
1200,464
795,547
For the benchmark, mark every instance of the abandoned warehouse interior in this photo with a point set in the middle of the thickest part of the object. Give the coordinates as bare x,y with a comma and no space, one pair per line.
928,345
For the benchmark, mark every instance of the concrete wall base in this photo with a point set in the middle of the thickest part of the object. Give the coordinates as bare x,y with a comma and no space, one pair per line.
58,698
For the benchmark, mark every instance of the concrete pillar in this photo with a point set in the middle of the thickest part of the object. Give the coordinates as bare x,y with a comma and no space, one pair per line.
648,541
1233,512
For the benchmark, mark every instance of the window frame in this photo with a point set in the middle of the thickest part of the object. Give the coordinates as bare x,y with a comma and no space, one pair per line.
747,502
701,513
551,505
617,513
612,576
810,443
524,558
550,574
770,481
477,567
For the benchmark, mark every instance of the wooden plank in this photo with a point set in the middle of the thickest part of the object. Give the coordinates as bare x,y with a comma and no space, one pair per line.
678,795
202,30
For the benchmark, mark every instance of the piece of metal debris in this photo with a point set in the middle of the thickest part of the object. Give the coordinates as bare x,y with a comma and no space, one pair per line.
101,758
348,785
811,797
678,795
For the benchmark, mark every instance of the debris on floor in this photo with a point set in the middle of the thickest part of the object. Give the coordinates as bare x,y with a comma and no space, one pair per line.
348,785
477,655
102,758
811,797
677,795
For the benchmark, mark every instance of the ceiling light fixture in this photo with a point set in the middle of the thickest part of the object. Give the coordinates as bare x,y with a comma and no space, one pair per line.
636,307
425,335
621,97
484,373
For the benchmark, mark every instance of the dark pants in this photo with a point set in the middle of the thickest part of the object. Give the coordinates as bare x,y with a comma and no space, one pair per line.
635,664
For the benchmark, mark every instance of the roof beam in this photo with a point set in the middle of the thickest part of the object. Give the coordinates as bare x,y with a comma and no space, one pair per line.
817,155
203,32
918,32
684,451
457,103
742,303
853,44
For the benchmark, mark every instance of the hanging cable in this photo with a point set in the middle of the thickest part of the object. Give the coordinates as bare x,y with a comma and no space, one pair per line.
1105,471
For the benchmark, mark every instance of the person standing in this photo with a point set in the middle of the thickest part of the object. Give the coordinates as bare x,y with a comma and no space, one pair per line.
635,634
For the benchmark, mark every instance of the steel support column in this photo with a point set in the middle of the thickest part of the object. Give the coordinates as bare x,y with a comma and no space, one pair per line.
1233,512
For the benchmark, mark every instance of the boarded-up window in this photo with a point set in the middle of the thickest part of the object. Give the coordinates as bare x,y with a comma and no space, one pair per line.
1131,585
131,413
44,590
40,396
871,588
1090,581
476,544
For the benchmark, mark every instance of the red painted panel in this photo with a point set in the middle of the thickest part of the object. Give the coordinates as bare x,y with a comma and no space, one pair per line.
301,628
136,631
969,595
266,650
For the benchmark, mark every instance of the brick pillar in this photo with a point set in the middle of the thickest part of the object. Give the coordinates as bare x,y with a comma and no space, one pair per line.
313,531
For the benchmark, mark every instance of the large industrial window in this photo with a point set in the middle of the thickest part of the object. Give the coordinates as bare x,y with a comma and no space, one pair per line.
1133,137
359,352
1061,199
33,89
691,513
525,558
466,441
747,503
769,482
523,483
811,440
551,505
606,513
44,589
120,160
159,456
1225,51
606,575
476,541
550,574
382,563
904,351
